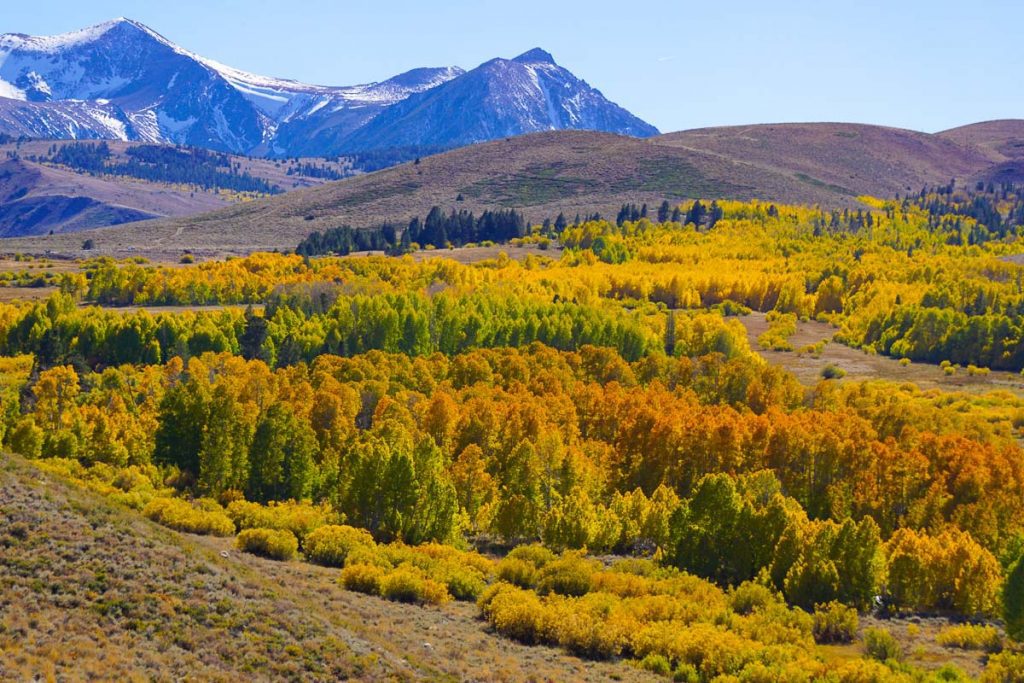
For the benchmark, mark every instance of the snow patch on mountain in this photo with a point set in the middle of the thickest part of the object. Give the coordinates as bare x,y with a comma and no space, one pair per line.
123,80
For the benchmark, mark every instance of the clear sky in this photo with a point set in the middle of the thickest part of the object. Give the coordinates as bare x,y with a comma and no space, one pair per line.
927,65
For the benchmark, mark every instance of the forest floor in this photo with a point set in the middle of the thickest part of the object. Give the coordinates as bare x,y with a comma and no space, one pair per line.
860,365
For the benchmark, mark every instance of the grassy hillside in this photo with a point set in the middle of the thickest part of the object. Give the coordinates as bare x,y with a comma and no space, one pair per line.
542,174
848,159
584,172
40,192
89,588
1000,141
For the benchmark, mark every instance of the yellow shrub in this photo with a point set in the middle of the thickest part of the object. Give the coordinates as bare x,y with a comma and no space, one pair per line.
330,545
277,544
971,637
300,518
569,575
834,622
517,572
184,516
362,578
409,584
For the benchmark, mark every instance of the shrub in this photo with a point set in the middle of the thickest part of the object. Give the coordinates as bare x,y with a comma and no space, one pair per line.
517,572
834,622
184,516
569,575
464,583
831,371
409,584
535,554
882,645
904,362
330,545
1006,667
299,518
362,578
971,637
750,596
277,544
657,663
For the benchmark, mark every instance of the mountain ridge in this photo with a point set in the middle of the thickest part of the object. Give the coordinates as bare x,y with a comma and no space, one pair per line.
123,80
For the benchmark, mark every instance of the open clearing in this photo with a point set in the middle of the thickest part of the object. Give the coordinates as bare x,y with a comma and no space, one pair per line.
864,366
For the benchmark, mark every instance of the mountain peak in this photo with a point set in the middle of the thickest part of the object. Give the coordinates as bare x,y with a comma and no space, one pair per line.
535,56
62,41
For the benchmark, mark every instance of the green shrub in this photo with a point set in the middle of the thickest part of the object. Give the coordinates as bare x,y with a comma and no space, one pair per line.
831,371
657,663
569,575
362,578
409,584
184,516
330,545
750,596
464,583
882,645
535,554
971,637
277,544
517,572
834,622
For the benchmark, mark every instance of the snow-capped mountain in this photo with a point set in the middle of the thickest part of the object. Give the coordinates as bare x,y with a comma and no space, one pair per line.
122,80
500,98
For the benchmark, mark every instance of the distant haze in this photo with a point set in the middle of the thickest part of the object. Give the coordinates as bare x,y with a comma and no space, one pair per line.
675,63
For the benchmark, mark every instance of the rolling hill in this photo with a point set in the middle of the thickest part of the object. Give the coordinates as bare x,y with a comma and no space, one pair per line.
846,159
582,172
125,595
1000,141
63,187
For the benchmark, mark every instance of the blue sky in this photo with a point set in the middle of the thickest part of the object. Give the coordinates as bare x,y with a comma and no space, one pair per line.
682,64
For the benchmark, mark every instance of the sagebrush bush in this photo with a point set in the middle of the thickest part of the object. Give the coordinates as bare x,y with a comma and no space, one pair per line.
749,596
300,518
834,622
276,544
535,554
362,578
971,637
409,584
184,516
517,572
330,545
570,575
882,645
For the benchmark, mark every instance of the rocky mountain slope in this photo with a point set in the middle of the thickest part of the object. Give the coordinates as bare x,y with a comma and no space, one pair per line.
121,80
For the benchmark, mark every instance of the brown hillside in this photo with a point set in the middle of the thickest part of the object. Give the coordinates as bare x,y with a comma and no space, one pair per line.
998,140
575,172
850,159
1001,141
92,591
541,174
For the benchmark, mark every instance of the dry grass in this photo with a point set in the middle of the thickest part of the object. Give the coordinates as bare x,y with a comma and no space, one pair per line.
863,366
89,590
541,174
